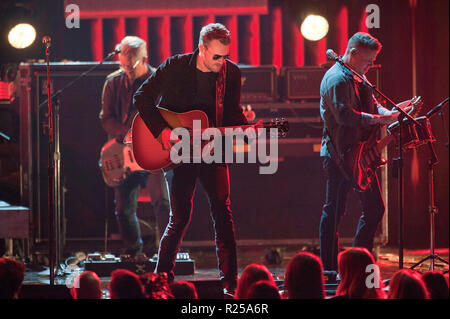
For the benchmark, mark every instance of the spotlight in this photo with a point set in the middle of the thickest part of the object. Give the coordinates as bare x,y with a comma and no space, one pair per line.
314,27
22,35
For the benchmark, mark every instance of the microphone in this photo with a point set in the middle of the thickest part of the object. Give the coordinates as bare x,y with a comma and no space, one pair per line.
47,41
436,109
117,50
331,55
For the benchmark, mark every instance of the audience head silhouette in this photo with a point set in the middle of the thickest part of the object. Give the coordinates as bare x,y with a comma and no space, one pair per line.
251,274
304,277
12,273
436,284
263,289
183,290
355,265
407,284
125,285
87,285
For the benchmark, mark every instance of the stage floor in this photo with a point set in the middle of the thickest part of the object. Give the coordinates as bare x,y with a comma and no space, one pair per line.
206,264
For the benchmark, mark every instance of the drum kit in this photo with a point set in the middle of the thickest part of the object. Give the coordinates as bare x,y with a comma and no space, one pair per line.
412,135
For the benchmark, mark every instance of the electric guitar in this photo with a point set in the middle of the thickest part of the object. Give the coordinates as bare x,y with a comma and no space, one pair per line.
150,153
360,162
117,162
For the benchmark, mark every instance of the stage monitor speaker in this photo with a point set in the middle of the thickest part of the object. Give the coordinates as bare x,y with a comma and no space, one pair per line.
84,196
259,83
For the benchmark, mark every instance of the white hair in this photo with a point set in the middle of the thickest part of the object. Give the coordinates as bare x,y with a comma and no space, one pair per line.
133,47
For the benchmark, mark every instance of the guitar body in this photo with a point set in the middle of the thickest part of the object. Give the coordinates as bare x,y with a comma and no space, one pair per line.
148,151
117,162
361,164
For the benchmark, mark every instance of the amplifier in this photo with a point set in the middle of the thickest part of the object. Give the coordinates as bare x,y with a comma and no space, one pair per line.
301,82
304,82
259,84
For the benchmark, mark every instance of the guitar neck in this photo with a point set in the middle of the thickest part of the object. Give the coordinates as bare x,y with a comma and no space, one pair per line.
243,127
381,144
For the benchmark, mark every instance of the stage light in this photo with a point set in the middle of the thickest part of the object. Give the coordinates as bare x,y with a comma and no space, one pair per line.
314,27
22,35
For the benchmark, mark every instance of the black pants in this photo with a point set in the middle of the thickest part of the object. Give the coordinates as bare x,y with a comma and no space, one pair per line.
181,183
337,188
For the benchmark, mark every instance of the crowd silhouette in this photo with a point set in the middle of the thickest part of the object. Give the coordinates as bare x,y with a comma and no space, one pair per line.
304,279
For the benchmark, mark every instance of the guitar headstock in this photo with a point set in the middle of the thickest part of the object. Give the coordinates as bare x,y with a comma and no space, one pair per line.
416,105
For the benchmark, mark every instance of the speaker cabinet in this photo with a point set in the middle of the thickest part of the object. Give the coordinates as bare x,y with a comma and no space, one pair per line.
84,196
259,83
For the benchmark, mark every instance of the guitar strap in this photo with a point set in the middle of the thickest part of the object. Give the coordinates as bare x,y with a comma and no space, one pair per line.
220,94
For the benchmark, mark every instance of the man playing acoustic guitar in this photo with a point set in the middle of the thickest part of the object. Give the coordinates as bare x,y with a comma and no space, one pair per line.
203,80
351,115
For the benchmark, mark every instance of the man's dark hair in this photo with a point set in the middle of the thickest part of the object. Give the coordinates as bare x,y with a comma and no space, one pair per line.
12,273
214,31
365,41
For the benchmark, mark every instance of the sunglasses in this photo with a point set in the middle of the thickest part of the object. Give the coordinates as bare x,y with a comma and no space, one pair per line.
218,56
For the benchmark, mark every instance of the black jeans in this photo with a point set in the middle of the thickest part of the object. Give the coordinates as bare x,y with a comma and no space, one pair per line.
181,183
337,188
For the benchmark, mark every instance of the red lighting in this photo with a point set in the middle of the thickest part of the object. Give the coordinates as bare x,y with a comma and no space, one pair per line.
4,91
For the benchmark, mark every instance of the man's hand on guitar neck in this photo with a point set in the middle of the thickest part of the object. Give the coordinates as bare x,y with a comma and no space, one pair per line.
387,117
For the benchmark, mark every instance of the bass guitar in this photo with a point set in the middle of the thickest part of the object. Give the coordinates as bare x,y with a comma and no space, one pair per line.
117,162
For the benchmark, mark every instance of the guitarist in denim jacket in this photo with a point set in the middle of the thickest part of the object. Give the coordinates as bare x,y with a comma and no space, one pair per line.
350,114
116,116
203,80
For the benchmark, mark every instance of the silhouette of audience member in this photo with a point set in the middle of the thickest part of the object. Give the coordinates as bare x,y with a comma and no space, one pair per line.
12,273
156,286
86,285
436,284
183,290
125,285
304,277
251,274
407,284
358,281
263,289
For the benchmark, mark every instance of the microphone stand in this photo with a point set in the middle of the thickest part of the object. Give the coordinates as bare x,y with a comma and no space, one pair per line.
403,118
54,163
432,209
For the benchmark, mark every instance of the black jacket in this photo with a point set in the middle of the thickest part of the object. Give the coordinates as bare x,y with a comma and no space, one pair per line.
173,86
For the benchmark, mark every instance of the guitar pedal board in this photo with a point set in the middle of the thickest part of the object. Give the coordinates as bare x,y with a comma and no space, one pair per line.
104,264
